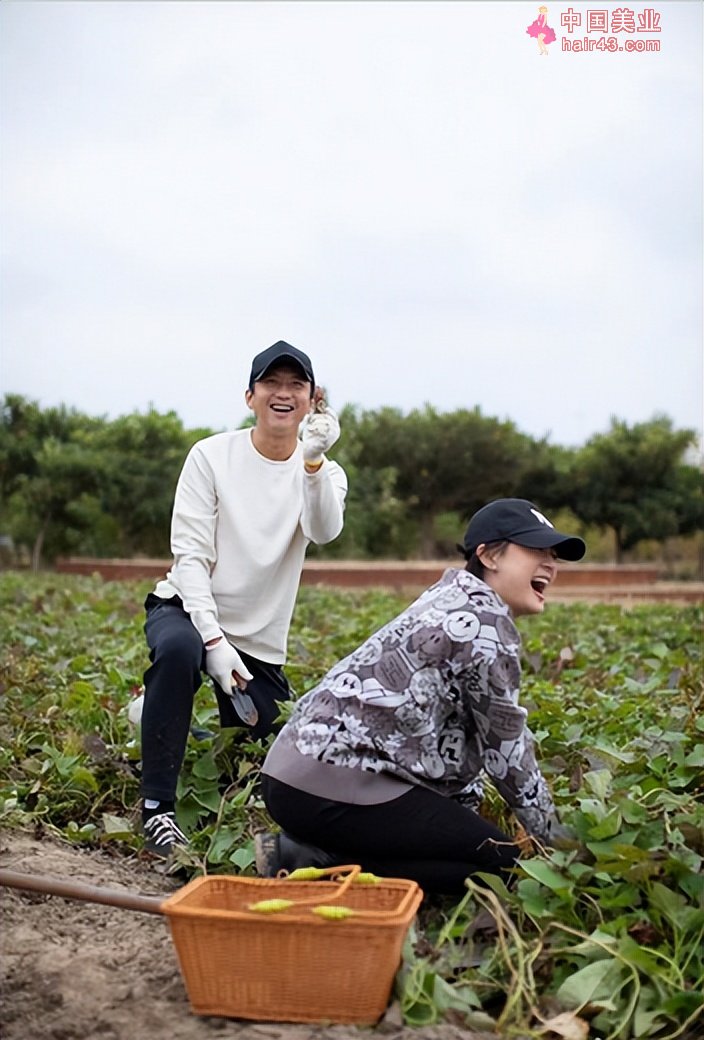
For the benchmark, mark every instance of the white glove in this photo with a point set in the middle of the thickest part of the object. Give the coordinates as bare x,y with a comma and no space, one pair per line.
319,432
221,661
134,712
224,664
561,836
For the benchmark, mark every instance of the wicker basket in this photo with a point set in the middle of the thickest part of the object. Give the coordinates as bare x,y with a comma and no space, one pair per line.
293,965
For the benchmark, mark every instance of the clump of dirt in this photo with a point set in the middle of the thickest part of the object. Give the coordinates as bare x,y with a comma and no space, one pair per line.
73,970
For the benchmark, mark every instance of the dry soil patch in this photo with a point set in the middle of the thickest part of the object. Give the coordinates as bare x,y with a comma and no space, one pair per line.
73,970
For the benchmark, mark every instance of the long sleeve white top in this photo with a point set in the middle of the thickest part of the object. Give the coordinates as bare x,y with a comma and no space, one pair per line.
240,527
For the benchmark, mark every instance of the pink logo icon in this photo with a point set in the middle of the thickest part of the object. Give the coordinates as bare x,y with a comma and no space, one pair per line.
541,31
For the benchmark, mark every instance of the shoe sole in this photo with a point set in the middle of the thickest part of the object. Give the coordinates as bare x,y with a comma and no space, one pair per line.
266,847
162,854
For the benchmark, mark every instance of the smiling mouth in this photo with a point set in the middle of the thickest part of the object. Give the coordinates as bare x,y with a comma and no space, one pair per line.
539,585
283,408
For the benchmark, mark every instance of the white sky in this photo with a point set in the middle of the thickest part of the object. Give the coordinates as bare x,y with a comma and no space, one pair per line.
406,190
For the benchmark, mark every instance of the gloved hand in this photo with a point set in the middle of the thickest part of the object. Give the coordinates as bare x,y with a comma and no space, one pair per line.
538,830
319,432
221,661
224,664
134,712
561,836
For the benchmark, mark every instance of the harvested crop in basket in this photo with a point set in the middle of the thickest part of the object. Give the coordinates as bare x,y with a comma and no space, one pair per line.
271,906
333,913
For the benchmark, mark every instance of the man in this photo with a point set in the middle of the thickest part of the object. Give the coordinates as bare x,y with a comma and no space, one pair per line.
247,504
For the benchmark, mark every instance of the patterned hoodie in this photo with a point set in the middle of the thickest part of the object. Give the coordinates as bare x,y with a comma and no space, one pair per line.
430,699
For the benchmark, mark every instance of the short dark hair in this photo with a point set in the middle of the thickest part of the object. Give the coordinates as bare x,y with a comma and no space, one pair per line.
475,565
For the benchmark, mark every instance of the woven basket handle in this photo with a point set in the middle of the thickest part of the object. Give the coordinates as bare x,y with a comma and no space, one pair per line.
351,874
351,870
402,906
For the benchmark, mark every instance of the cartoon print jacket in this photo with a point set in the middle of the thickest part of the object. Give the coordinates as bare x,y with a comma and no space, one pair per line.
432,698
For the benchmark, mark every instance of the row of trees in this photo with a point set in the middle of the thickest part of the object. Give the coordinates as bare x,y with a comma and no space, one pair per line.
72,483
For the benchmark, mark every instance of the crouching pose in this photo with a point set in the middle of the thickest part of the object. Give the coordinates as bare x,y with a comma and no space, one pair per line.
378,763
248,503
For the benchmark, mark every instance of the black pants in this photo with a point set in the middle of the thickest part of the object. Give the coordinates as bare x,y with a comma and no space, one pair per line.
178,658
420,835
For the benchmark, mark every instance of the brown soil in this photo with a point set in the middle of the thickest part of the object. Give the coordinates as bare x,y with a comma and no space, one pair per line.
74,970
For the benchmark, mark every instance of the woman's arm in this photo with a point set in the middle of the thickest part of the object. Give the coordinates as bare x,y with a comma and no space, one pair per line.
507,745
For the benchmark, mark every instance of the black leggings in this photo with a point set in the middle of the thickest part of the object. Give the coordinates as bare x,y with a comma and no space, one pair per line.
420,835
178,659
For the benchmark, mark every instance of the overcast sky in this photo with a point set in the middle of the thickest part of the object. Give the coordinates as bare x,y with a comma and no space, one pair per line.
408,191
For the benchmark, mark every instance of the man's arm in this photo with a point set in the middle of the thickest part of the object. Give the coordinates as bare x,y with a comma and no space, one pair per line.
324,503
193,542
324,482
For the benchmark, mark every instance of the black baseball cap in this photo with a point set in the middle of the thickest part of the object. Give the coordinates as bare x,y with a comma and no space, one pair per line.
278,352
518,520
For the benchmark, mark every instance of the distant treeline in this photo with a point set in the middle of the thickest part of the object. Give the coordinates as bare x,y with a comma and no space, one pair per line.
83,485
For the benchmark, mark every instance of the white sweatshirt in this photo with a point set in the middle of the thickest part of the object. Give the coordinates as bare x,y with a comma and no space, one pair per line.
239,531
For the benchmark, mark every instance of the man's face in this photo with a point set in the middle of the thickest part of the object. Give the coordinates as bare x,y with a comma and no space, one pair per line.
281,399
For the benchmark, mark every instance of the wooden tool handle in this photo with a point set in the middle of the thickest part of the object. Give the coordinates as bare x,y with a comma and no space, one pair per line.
75,890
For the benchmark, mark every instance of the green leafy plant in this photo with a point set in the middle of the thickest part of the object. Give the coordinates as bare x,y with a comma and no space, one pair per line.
603,938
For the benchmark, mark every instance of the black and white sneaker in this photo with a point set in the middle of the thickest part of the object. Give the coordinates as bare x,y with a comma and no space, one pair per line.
162,835
278,854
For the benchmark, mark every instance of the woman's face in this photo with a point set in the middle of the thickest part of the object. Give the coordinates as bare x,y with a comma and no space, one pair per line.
520,576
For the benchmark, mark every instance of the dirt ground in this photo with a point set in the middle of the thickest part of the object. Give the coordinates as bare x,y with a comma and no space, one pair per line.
73,970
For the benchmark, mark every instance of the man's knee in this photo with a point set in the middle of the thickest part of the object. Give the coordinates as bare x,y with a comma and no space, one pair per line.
179,649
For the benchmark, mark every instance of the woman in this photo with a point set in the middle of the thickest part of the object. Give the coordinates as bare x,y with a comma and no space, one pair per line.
381,762
541,31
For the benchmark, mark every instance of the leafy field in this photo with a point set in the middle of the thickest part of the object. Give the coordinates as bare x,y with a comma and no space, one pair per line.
602,940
